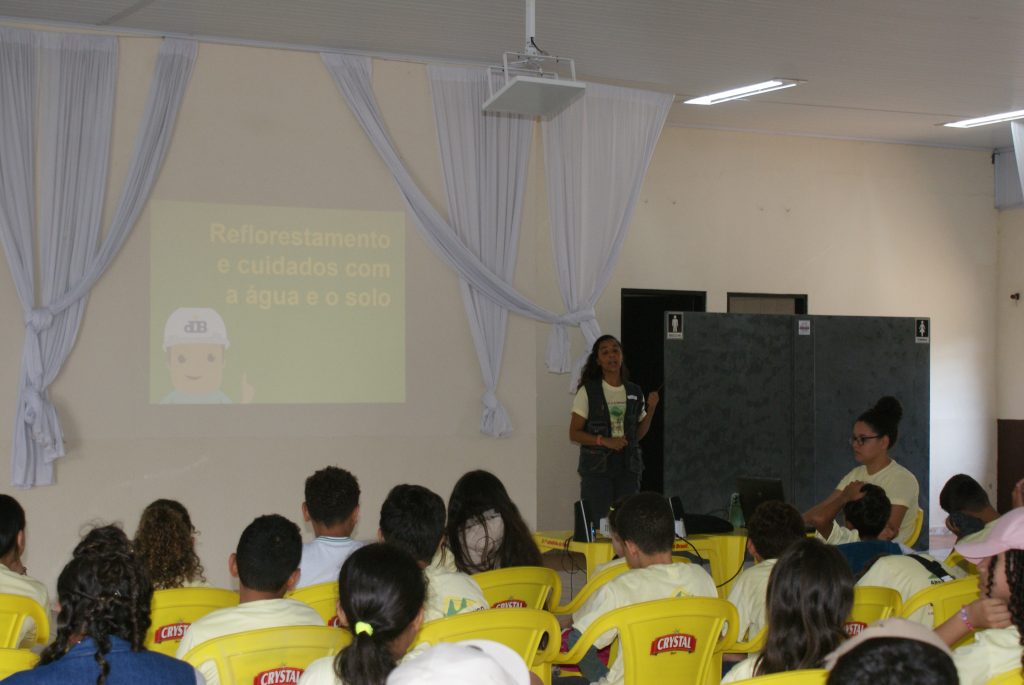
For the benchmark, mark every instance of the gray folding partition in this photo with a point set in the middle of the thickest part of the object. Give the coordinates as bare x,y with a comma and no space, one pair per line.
777,396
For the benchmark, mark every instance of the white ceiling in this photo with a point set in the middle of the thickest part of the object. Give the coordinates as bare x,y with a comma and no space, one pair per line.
889,70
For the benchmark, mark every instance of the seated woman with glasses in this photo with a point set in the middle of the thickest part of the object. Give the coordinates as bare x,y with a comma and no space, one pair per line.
874,434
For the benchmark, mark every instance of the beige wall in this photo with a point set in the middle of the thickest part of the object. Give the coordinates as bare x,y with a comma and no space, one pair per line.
1011,315
861,228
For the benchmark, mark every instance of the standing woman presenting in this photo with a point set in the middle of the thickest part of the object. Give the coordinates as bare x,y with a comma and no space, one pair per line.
609,418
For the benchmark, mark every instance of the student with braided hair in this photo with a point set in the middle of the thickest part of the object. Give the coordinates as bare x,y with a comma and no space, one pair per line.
381,591
104,614
997,617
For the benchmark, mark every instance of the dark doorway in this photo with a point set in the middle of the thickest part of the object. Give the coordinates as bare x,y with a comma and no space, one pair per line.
643,338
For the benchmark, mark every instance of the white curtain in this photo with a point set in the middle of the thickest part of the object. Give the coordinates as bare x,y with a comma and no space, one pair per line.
71,80
596,154
484,159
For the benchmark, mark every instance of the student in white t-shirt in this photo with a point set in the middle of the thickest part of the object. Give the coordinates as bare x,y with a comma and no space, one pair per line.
874,433
644,531
14,578
381,591
412,518
332,508
266,564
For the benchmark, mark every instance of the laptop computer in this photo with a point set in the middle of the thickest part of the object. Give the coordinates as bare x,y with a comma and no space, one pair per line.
753,491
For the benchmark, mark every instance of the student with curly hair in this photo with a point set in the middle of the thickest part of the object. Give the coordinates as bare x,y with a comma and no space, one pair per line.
165,544
485,530
104,614
810,594
332,508
997,617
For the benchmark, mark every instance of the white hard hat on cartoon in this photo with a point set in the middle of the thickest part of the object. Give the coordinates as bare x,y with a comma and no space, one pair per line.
191,325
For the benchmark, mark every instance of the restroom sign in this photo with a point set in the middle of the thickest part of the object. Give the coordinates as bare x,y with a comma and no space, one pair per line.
922,330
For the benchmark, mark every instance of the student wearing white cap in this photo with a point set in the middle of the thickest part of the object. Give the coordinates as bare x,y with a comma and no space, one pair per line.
996,618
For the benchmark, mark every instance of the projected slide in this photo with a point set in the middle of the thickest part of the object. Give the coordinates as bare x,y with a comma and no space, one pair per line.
276,305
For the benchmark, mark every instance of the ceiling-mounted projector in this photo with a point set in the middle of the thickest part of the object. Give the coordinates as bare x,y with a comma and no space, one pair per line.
530,82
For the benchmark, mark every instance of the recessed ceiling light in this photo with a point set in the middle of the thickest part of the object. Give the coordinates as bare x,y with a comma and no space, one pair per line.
744,91
990,119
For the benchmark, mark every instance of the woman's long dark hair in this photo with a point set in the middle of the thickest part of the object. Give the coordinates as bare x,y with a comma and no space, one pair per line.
474,495
1013,560
165,545
810,594
383,587
592,370
103,594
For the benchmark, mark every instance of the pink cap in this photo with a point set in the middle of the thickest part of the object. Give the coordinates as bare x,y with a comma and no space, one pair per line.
1006,533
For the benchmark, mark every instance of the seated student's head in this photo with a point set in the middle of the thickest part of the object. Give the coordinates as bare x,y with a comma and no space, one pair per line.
645,529
103,539
869,514
381,591
772,528
893,651
12,533
165,545
412,518
967,505
102,594
266,561
476,497
332,502
810,594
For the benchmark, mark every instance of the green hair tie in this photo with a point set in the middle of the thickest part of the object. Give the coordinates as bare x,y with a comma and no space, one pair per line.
363,627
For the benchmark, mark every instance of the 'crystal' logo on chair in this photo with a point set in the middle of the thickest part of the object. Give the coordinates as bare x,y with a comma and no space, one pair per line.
510,603
854,627
677,642
172,631
284,674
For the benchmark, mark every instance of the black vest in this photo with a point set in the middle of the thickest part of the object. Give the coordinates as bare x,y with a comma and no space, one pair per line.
594,459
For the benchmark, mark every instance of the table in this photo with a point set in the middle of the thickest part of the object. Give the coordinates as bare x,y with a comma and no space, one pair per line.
725,551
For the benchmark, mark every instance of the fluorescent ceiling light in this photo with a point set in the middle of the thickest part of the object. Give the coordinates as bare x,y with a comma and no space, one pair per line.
744,91
990,119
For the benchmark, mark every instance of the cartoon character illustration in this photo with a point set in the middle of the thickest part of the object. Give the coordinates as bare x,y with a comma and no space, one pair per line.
195,339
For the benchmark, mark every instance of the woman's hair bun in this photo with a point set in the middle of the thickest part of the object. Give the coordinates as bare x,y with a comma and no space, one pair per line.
890,406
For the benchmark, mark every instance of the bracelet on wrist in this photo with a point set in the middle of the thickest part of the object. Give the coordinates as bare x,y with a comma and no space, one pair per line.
966,621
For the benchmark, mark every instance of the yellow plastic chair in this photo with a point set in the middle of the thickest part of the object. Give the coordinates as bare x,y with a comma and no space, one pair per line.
807,676
14,660
521,587
957,559
14,611
1013,677
918,524
532,633
323,597
754,644
173,611
945,600
870,604
276,655
587,590
677,640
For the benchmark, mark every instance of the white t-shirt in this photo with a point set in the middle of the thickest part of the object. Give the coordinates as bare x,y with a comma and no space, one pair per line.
450,593
263,613
748,595
993,652
322,559
908,577
659,581
615,398
744,670
321,672
900,487
12,583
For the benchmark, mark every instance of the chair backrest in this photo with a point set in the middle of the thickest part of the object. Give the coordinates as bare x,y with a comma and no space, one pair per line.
808,676
587,590
754,644
173,611
1013,677
272,655
14,660
532,633
323,597
871,604
15,610
918,524
945,598
520,587
956,559
668,640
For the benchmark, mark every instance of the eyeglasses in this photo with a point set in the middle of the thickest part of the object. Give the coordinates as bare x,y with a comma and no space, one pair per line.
859,440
